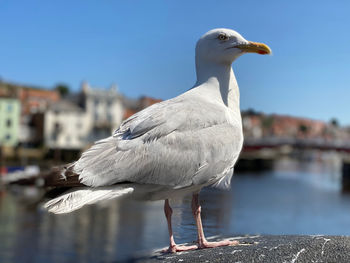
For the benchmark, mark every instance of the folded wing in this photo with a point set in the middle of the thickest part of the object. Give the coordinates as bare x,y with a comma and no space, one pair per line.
175,143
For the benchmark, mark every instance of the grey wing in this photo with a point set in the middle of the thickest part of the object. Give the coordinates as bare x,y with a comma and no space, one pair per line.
171,143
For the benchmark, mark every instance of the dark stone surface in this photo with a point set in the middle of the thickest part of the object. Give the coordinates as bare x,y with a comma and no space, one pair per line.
293,249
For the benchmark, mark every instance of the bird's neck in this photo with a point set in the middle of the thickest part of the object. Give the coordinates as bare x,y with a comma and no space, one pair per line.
221,81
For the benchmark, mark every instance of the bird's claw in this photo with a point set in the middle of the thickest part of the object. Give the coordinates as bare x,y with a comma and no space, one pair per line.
222,243
176,248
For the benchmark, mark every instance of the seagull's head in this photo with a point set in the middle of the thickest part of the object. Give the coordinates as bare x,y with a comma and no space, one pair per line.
223,45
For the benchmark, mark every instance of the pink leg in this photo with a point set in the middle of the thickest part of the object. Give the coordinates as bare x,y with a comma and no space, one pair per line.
173,247
202,242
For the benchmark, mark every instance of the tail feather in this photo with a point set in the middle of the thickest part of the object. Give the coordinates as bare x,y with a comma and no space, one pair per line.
78,197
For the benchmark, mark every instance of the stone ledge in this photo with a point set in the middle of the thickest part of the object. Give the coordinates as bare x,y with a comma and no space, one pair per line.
269,249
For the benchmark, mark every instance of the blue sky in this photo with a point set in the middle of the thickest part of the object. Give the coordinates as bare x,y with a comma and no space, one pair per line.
147,48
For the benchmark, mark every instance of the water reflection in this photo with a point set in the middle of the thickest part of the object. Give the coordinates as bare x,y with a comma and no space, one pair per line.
295,198
105,233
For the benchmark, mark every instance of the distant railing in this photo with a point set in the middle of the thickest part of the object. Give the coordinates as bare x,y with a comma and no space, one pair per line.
314,143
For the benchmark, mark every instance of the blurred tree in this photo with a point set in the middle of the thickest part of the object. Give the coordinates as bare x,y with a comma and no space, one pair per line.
252,112
63,89
334,122
303,128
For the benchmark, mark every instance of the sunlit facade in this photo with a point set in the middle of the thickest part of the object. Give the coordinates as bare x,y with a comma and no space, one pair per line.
86,117
9,121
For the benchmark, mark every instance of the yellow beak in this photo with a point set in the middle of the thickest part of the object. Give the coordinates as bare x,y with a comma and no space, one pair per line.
254,47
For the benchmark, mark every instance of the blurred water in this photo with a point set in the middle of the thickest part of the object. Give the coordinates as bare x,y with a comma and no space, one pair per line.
295,198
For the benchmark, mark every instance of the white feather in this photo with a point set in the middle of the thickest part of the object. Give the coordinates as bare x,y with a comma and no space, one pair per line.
224,182
73,200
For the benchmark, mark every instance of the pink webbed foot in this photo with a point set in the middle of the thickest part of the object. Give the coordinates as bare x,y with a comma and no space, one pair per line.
222,243
176,248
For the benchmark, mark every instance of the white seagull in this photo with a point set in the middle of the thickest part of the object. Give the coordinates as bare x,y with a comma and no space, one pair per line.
172,148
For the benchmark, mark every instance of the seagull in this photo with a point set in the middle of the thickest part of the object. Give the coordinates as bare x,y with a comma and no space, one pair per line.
172,148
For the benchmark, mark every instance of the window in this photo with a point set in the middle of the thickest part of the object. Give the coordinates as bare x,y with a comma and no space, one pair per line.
8,137
9,107
57,128
56,131
9,123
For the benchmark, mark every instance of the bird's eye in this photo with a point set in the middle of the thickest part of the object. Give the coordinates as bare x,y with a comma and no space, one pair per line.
222,37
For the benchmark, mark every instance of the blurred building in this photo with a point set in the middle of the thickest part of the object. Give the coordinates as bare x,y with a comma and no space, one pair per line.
35,102
58,127
104,108
259,126
8,90
252,126
66,126
9,121
81,119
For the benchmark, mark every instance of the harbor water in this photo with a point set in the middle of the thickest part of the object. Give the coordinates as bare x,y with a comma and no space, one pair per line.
293,198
